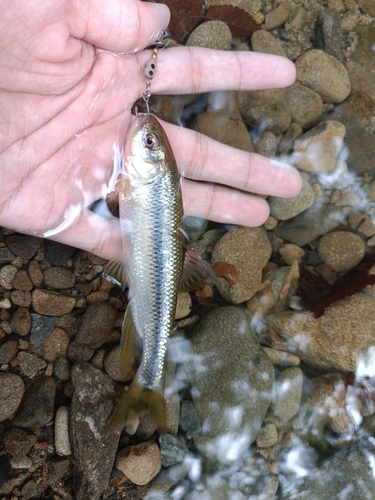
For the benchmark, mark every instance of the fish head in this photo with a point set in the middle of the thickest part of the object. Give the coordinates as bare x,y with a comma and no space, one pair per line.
146,150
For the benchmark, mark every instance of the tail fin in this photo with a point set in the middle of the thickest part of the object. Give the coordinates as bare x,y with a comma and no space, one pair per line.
136,401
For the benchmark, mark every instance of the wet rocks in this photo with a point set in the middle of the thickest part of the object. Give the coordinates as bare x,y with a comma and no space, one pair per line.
18,442
58,277
21,281
189,421
341,250
94,449
36,408
265,109
267,436
21,321
328,33
51,303
288,390
41,327
246,250
233,396
62,443
61,368
11,392
286,208
212,35
57,253
7,351
318,149
55,345
22,245
264,42
30,364
334,341
172,450
324,74
277,17
96,324
7,273
140,463
305,105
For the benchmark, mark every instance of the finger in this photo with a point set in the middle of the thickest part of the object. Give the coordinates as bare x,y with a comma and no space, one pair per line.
118,26
222,204
191,70
94,234
203,159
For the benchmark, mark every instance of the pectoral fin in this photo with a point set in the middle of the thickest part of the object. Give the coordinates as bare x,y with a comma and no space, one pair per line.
115,271
136,401
131,342
196,272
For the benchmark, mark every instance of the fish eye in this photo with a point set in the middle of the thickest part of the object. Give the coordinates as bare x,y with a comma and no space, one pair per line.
151,141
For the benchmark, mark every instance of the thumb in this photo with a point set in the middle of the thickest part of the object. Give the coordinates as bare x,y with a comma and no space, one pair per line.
118,25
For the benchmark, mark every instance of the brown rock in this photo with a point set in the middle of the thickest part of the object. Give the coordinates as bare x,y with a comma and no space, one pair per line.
51,303
246,250
305,105
35,273
30,364
212,34
7,351
7,274
361,79
112,366
264,42
18,442
96,324
324,74
21,321
341,250
21,281
11,392
55,345
59,277
21,298
277,17
318,149
337,339
140,463
23,245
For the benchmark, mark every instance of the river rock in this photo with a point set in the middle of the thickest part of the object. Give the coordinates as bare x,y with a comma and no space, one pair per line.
328,32
61,368
360,78
41,327
7,273
22,245
364,52
267,436
21,298
286,208
189,421
212,35
277,17
18,442
11,392
341,250
337,339
264,42
30,364
21,281
348,470
57,253
140,463
305,227
172,450
21,321
184,305
59,277
324,74
317,150
35,272
305,105
55,345
94,449
6,256
232,381
62,443
36,408
7,351
247,251
264,109
288,391
51,303
96,324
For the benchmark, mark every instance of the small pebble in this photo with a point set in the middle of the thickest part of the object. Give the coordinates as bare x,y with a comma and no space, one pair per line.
21,321
140,463
61,368
172,450
11,392
30,364
7,273
5,304
290,252
21,298
189,421
62,443
21,281
7,351
184,305
267,436
21,463
49,303
341,250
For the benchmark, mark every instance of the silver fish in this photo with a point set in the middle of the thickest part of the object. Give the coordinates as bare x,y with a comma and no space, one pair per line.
151,264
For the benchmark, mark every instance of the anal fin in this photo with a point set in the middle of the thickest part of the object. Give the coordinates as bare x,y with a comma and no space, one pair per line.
130,342
196,272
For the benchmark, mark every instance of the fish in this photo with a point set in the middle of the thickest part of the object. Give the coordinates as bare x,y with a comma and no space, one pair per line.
154,264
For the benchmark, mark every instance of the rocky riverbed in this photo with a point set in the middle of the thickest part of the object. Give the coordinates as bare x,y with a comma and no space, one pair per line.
270,376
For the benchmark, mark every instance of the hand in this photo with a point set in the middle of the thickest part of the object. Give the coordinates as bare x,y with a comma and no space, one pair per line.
64,106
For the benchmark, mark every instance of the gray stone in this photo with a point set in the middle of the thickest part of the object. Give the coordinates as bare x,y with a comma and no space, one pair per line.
41,327
7,351
195,227
30,364
57,253
11,392
79,352
6,256
267,436
23,245
36,408
286,208
204,246
328,32
189,421
18,442
172,450
288,390
94,449
316,221
232,381
61,368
